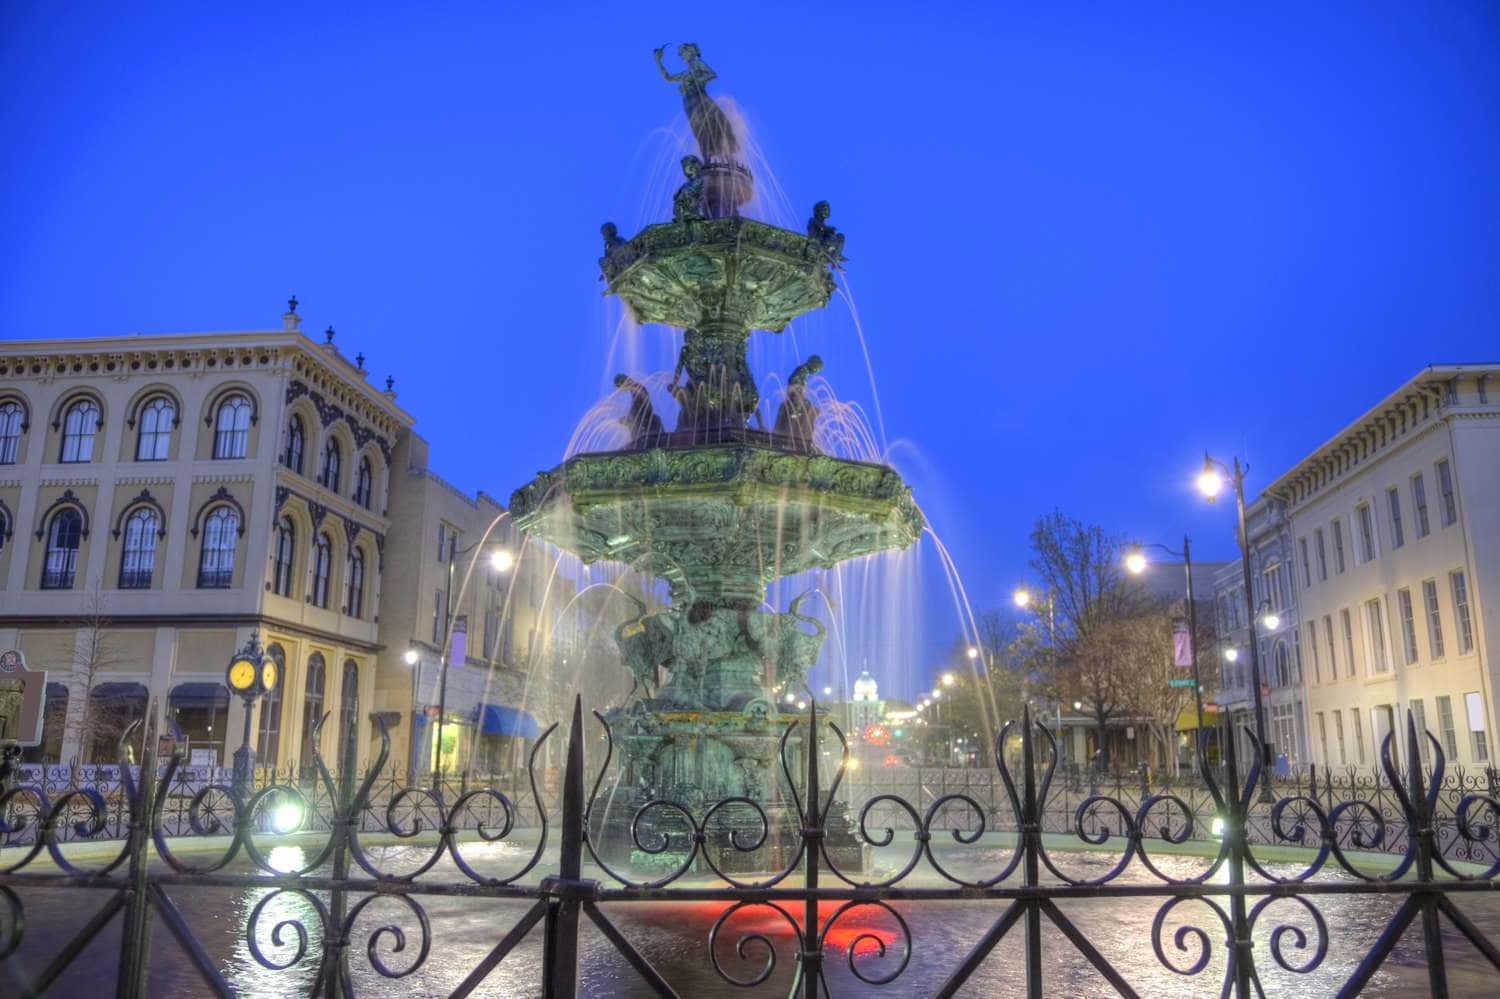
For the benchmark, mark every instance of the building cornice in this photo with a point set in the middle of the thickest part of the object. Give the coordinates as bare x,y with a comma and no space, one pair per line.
196,353
1422,405
127,620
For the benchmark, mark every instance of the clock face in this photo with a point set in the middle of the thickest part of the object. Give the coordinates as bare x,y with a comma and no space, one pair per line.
241,674
268,674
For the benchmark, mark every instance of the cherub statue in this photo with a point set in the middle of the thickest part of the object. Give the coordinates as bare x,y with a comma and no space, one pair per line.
798,414
828,239
716,139
641,419
688,203
612,242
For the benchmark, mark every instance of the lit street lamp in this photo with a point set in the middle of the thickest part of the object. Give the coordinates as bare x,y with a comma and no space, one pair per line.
1136,562
1210,483
501,560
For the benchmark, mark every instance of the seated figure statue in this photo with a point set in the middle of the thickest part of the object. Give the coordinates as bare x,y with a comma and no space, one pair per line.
798,414
640,419
688,203
828,240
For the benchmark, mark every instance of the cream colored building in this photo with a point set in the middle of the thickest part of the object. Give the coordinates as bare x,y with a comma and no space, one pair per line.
1396,528
163,497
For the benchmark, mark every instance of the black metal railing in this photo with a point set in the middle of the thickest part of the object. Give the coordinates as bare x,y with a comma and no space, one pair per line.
813,893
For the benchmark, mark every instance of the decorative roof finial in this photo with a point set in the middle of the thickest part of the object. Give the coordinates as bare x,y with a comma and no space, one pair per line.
390,383
359,361
291,305
328,335
290,321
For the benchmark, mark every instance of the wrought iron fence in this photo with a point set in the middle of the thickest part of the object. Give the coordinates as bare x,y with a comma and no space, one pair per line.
811,895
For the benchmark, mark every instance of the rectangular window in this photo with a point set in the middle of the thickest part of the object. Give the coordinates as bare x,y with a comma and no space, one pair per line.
1323,736
1312,643
1270,592
1419,502
1434,618
1306,565
437,617
1445,492
1445,722
1474,707
1338,546
1376,623
1460,588
1338,732
1408,626
1393,504
1366,532
1322,554
1348,641
1359,733
442,542
1333,664
1419,717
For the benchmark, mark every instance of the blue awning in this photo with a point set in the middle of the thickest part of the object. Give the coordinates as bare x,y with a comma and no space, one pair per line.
502,719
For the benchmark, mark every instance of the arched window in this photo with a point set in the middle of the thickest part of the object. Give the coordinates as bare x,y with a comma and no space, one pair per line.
322,562
79,426
282,557
155,435
362,483
354,589
1283,667
348,714
312,705
216,562
268,731
4,526
328,475
138,559
232,428
63,538
296,437
11,418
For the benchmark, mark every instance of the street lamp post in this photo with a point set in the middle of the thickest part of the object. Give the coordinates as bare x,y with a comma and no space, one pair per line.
1210,482
500,560
1136,562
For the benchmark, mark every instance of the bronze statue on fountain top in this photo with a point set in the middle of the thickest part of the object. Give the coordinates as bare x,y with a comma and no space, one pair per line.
726,181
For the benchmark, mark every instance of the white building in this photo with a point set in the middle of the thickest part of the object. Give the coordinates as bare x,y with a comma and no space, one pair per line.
1396,526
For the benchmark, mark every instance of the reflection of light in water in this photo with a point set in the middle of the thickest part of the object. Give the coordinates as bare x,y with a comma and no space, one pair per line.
287,858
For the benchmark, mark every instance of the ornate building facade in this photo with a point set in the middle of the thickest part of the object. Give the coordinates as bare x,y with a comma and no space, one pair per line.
163,497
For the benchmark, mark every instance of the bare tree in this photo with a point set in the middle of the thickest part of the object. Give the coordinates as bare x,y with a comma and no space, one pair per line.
1080,567
96,728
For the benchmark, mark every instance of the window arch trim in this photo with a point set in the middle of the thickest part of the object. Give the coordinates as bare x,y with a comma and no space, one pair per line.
147,500
67,499
145,397
23,402
220,498
211,411
7,525
60,411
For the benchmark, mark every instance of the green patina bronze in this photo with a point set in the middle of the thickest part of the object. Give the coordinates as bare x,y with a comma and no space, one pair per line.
716,507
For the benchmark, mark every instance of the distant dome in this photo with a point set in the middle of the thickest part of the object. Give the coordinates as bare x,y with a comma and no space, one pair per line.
864,688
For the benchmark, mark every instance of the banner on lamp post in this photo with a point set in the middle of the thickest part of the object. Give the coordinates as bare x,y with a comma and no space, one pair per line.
1182,644
458,645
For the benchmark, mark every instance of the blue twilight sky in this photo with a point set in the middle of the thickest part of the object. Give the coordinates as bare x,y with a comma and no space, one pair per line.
1085,243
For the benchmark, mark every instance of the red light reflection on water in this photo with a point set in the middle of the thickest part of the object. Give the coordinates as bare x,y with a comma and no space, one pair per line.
860,921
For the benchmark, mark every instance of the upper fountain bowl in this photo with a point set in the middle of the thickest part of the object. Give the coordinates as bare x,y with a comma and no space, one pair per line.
725,273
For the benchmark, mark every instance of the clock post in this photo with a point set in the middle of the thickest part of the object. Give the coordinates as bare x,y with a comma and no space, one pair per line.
250,674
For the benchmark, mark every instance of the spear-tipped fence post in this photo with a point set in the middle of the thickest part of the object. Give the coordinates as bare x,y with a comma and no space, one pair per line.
1422,830
560,948
1236,830
812,837
135,936
1031,841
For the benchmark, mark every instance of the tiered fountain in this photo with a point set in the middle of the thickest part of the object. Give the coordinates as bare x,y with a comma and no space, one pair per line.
716,507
